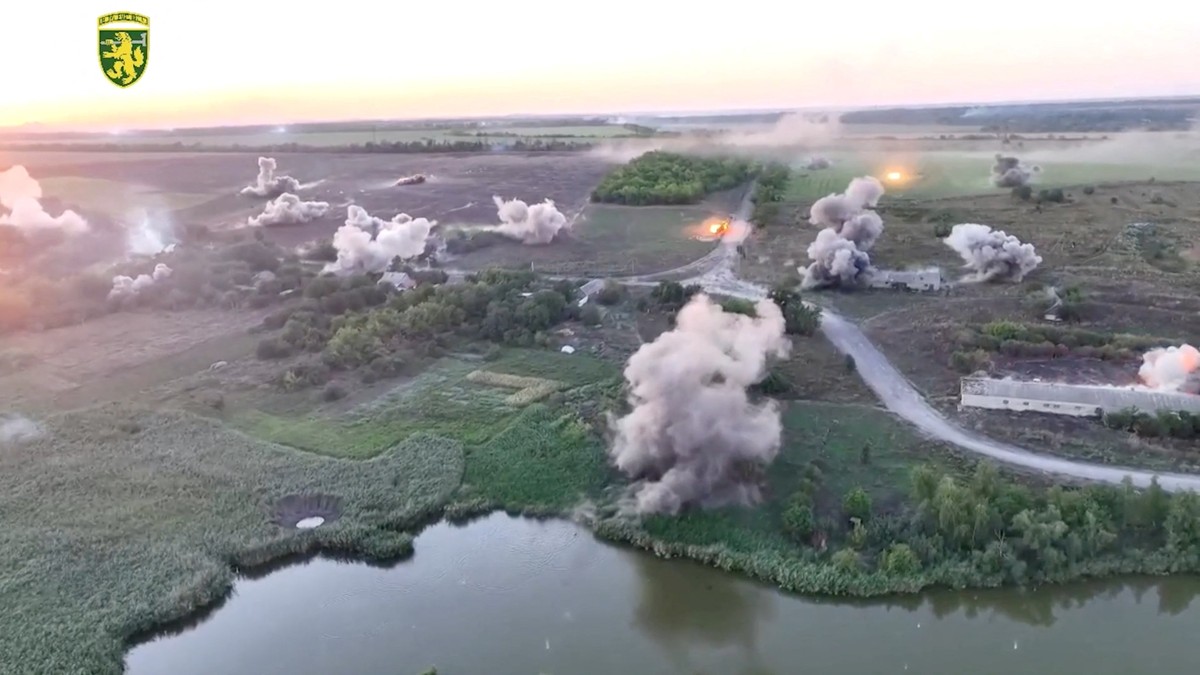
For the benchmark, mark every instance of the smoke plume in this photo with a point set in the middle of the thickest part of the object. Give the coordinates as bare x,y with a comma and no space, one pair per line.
151,235
21,195
835,262
1171,368
16,428
369,244
1010,172
288,209
267,184
992,254
128,287
847,214
693,436
537,224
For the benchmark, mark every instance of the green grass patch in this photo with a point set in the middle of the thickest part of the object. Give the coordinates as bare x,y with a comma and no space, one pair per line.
573,369
545,460
118,521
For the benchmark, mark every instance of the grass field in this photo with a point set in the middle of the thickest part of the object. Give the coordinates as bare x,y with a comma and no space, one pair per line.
114,197
118,521
585,133
933,175
643,238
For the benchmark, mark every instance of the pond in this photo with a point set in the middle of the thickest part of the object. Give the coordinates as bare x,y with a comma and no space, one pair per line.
512,595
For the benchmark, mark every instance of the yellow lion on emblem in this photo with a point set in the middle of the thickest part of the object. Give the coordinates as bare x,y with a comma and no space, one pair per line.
128,58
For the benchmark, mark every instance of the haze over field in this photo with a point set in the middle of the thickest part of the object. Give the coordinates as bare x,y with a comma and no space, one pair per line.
665,60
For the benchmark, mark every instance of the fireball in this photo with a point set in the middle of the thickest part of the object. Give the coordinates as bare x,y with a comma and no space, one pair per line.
718,228
894,176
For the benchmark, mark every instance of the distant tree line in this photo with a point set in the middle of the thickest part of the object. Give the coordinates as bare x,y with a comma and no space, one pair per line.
1035,119
386,147
668,178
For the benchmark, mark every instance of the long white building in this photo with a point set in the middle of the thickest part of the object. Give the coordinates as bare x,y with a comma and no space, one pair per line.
1081,400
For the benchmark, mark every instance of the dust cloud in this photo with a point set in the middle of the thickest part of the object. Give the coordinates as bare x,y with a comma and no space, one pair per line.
993,255
537,224
288,209
267,184
369,244
1011,172
128,287
839,253
17,428
21,194
1171,368
694,437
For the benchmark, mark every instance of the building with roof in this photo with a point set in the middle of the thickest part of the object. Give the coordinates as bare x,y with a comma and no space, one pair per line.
913,280
1080,400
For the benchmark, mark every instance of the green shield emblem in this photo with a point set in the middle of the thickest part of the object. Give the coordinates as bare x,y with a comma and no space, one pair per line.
124,47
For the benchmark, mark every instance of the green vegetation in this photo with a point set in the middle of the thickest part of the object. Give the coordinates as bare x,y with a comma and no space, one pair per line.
768,192
119,520
1017,339
667,178
800,318
1168,423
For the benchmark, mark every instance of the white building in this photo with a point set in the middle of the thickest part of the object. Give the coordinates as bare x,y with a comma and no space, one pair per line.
914,280
1080,400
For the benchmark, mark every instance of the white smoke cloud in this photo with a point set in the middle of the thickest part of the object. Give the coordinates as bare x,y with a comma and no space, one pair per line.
839,253
992,254
1171,368
288,209
21,194
151,235
128,287
693,433
1010,172
369,244
537,224
267,184
17,428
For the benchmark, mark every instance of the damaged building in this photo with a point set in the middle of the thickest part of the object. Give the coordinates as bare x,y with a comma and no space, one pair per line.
911,280
1079,400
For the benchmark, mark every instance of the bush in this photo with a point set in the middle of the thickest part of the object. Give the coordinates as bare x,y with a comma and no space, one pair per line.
846,560
798,521
273,348
667,178
942,230
590,315
739,306
321,287
323,251
851,366
611,293
1024,193
1052,195
332,392
857,504
900,559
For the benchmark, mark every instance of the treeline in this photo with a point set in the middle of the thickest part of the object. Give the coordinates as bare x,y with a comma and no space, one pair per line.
355,322
668,178
386,147
768,192
1016,339
1034,119
1164,423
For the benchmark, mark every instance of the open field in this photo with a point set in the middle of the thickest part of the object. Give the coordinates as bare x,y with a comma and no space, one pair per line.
582,133
138,518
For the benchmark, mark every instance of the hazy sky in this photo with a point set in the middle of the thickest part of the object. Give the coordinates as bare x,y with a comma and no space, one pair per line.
258,61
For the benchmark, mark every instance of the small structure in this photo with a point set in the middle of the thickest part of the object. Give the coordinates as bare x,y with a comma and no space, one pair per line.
415,179
589,289
398,280
912,280
1079,400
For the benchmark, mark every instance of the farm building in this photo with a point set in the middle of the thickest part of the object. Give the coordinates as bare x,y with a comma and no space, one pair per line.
913,280
1056,398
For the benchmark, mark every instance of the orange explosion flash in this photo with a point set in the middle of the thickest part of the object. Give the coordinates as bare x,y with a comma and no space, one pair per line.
894,176
1170,367
718,228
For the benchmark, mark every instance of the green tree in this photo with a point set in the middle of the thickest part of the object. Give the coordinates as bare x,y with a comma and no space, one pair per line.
798,520
846,560
857,504
899,559
590,315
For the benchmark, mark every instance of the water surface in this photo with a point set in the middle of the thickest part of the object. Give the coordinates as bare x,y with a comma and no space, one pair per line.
505,595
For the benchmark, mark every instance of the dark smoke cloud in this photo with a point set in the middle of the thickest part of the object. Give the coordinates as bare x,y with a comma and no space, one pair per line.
993,255
1010,172
693,436
835,262
267,184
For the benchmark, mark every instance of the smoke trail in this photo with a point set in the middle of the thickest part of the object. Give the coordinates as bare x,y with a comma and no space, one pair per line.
16,428
693,436
835,262
21,194
288,209
1171,368
992,254
267,184
537,224
1010,172
369,244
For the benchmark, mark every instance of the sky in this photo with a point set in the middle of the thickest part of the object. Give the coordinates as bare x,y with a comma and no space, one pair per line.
254,62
